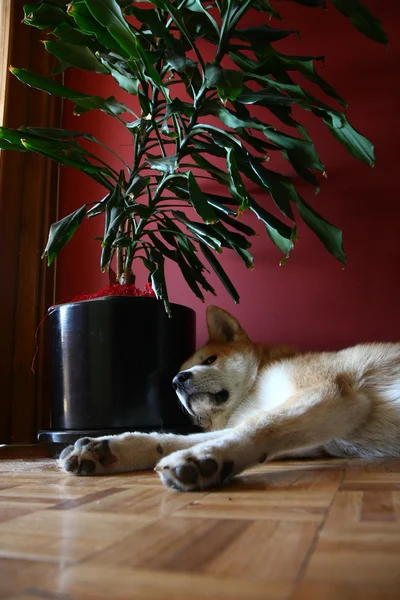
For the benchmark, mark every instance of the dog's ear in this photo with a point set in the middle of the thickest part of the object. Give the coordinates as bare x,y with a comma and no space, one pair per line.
222,327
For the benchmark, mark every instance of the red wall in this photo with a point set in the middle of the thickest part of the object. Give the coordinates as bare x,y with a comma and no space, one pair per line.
312,300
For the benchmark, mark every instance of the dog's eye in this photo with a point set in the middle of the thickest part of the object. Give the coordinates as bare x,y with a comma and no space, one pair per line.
209,360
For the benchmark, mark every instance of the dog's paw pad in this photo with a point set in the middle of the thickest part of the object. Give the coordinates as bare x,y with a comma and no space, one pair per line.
66,452
87,467
87,457
69,464
188,473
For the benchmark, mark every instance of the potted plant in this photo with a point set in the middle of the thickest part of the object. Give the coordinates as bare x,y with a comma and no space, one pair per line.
188,119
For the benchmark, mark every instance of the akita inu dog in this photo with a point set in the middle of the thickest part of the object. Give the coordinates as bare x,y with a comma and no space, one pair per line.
259,402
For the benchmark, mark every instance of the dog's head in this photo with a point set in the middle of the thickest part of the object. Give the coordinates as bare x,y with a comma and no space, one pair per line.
214,381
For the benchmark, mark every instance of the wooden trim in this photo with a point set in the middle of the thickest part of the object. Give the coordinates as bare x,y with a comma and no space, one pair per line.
5,19
28,205
24,451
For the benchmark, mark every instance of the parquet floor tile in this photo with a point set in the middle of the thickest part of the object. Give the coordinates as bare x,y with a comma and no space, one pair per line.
306,530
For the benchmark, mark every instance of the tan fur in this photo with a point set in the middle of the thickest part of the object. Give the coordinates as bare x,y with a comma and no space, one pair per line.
258,402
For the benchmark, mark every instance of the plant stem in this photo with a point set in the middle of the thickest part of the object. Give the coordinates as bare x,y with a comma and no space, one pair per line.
120,264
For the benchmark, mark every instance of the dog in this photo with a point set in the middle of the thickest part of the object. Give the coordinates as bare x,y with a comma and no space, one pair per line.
256,403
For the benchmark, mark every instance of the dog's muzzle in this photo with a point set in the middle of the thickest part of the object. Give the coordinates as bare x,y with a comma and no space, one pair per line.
184,384
182,381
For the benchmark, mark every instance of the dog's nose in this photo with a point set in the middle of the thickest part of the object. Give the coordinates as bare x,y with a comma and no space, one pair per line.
181,378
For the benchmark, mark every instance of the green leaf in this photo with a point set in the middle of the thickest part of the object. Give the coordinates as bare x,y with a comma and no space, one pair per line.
122,241
77,56
237,187
161,247
196,264
230,238
137,186
199,26
151,71
61,150
219,175
196,6
165,130
61,232
219,136
189,276
6,145
196,275
279,65
355,143
99,207
143,211
304,173
265,6
174,232
109,15
11,137
88,24
306,66
165,164
108,105
245,255
181,64
44,15
302,150
281,190
158,278
115,215
63,139
56,133
260,145
69,154
144,104
329,235
229,83
203,232
179,20
280,234
266,97
179,107
128,84
221,274
199,201
362,19
157,27
68,34
236,224
219,202
262,33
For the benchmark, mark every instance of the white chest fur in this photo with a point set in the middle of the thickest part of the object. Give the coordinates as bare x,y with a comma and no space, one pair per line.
275,386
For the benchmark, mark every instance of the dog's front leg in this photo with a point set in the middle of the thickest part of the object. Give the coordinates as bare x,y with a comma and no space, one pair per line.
126,452
309,420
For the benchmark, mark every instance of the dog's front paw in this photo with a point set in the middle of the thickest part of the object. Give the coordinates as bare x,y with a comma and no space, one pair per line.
190,471
88,456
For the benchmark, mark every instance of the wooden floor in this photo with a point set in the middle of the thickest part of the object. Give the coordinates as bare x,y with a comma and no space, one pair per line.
321,530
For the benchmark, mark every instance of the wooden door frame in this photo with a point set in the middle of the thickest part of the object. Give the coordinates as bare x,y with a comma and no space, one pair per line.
28,205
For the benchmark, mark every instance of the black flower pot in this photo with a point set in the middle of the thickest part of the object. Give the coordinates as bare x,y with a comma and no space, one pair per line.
112,362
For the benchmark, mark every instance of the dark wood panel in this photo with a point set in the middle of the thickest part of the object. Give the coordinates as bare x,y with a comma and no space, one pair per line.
28,204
